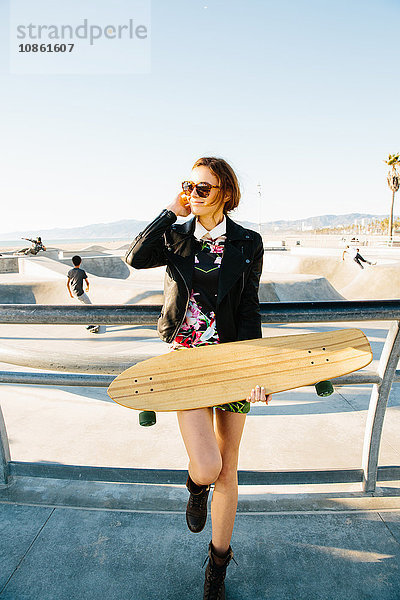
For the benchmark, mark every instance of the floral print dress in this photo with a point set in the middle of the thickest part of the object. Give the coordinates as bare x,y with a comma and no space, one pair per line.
199,327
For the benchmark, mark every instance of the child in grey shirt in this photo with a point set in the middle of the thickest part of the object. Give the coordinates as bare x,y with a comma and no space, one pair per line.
76,277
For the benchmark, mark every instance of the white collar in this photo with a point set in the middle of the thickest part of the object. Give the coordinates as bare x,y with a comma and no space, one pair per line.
201,232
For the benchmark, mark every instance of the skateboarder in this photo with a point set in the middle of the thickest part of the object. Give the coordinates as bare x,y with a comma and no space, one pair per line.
211,296
354,253
76,277
37,245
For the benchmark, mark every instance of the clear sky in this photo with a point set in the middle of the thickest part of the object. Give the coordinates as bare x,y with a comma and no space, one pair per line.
301,96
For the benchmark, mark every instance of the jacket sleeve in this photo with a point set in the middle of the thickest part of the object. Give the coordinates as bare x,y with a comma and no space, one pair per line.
249,318
147,249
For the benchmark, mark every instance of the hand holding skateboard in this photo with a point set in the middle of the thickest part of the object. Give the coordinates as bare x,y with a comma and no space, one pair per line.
257,394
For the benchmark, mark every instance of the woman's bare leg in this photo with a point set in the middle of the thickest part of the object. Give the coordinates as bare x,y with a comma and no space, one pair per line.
229,429
198,435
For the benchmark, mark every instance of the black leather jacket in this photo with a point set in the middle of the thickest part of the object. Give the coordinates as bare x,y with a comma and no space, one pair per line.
165,243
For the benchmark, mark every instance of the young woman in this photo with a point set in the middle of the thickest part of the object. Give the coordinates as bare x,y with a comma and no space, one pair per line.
210,296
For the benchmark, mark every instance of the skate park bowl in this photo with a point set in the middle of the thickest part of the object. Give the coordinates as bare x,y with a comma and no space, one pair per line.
288,276
296,275
331,276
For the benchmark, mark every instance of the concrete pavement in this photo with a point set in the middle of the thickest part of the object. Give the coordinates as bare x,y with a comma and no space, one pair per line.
51,553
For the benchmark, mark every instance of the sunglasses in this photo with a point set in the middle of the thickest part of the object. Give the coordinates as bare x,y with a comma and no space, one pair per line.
203,188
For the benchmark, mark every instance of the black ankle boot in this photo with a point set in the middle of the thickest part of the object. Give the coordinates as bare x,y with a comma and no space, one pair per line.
214,584
196,510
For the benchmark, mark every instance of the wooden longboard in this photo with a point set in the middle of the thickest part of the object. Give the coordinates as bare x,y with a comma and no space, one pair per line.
221,373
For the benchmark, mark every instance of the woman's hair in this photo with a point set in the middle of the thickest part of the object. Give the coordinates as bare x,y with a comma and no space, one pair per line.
227,180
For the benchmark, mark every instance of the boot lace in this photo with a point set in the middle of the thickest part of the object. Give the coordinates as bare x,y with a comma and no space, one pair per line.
214,582
215,578
199,500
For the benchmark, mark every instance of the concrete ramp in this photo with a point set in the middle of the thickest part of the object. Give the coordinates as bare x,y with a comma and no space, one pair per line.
103,266
55,292
41,268
378,282
42,280
33,292
276,287
344,278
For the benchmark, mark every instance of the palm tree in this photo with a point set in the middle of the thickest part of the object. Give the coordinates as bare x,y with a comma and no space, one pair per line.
393,179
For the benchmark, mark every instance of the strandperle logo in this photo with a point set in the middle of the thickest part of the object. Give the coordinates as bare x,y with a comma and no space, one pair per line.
85,31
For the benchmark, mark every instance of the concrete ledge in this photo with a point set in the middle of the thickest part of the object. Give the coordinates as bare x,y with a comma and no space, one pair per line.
79,362
9,264
173,498
178,476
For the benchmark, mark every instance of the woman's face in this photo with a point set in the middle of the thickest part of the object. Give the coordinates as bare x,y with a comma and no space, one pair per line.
205,207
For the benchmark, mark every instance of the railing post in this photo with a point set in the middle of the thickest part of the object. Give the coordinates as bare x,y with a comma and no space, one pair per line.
377,407
5,456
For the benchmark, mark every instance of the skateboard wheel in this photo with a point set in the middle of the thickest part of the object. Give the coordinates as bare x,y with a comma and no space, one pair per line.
324,388
147,418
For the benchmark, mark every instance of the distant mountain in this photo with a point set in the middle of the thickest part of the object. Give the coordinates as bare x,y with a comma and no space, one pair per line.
321,221
129,228
118,230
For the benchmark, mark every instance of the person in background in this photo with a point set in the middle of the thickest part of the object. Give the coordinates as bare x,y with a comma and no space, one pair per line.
354,253
36,247
76,277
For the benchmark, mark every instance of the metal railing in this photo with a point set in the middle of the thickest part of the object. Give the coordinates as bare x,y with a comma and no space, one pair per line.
272,313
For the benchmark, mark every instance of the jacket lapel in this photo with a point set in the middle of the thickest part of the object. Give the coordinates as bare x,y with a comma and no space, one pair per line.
186,228
232,265
185,243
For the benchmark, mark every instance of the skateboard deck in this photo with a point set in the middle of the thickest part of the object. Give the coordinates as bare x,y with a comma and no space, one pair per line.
220,373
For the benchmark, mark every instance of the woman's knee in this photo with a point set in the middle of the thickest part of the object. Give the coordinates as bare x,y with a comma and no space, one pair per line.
206,470
228,472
